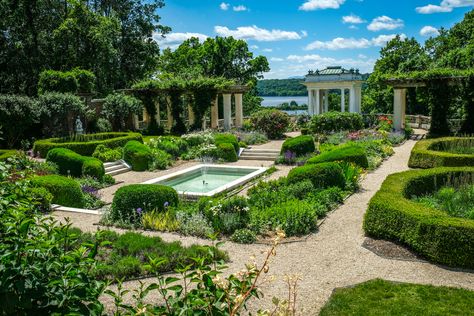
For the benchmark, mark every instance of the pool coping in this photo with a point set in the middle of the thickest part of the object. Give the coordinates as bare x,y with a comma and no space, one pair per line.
224,188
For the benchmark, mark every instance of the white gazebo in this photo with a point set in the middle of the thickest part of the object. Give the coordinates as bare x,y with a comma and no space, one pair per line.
319,83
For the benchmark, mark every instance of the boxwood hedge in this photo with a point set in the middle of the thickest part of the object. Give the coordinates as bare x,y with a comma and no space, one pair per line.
227,152
322,175
65,191
227,138
145,197
428,154
392,215
85,144
71,163
300,145
335,122
346,152
137,155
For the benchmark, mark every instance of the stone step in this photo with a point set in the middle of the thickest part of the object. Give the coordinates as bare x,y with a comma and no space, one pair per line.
114,167
257,150
114,163
118,171
253,153
269,158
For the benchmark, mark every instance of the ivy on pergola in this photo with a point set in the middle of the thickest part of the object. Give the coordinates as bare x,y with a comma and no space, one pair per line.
200,92
442,85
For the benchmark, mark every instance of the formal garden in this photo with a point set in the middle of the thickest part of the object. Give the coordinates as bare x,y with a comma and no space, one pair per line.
165,188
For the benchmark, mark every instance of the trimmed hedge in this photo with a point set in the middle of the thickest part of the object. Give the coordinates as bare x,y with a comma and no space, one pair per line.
85,144
227,152
137,155
65,191
227,138
300,145
345,152
335,122
71,163
6,153
426,154
430,232
147,197
323,175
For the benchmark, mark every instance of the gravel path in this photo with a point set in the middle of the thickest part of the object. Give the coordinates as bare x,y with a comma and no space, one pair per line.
332,257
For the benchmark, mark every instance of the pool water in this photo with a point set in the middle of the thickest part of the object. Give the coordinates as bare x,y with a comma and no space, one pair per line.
203,181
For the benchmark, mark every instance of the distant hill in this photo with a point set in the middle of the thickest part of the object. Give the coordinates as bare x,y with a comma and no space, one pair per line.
281,87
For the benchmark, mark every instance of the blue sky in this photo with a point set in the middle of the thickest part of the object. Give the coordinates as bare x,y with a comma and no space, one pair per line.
297,35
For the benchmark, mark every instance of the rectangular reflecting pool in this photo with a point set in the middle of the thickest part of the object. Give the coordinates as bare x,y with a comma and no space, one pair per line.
207,180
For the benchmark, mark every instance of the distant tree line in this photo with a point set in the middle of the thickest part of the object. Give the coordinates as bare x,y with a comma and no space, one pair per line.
281,87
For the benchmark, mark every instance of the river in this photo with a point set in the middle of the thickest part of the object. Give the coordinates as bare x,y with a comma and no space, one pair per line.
275,101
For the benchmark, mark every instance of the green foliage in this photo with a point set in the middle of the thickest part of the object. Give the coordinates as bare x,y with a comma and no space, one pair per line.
430,153
336,121
226,152
175,146
380,297
253,138
244,236
65,191
227,138
137,155
118,108
281,87
57,81
161,221
85,144
85,80
434,234
71,163
5,154
18,114
300,145
159,159
273,123
131,201
225,215
41,198
106,154
349,152
322,175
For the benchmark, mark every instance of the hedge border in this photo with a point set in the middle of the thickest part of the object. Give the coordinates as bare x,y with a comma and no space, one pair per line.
423,156
85,148
440,238
350,152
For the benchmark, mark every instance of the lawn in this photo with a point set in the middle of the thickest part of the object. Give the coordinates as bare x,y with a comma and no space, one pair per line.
380,297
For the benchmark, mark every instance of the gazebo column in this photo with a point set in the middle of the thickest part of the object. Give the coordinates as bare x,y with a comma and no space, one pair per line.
317,109
169,115
343,100
399,107
239,110
227,111
311,102
358,97
326,101
215,112
352,100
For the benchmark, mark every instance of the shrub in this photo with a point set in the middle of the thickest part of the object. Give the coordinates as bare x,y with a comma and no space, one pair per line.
347,152
41,198
227,138
103,125
294,217
65,191
142,197
300,145
162,221
429,153
5,154
323,175
227,152
253,138
57,81
434,234
85,144
244,236
336,121
107,154
137,155
273,123
159,160
18,114
85,80
118,108
173,145
194,224
225,215
71,163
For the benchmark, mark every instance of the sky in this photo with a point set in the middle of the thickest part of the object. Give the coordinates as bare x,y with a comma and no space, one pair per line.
298,35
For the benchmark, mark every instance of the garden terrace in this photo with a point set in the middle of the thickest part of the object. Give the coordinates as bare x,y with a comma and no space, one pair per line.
441,152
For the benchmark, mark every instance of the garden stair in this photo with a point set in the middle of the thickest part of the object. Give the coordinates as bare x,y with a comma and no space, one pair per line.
259,154
116,167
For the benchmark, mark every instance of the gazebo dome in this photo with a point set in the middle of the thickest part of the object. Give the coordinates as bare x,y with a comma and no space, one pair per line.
333,73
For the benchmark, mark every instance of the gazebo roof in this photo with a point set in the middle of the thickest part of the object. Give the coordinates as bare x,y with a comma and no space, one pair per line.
334,74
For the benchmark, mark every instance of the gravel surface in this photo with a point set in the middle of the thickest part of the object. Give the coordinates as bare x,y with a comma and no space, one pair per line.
333,257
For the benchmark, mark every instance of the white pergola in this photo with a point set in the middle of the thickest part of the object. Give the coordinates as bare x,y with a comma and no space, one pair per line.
319,83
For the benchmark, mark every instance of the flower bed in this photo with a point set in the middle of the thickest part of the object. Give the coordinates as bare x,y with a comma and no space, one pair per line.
432,153
393,215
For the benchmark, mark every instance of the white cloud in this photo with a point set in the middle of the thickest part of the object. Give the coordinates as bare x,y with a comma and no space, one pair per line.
258,34
267,50
429,31
240,8
385,23
361,56
254,46
311,5
352,19
304,33
173,40
277,59
444,6
352,43
224,6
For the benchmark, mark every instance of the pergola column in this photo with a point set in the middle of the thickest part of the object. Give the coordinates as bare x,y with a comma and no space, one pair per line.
318,104
136,124
215,112
227,110
399,107
191,116
169,115
157,115
343,100
239,110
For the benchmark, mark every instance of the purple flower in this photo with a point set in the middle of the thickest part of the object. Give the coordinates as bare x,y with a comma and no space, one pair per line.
166,204
139,211
289,156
